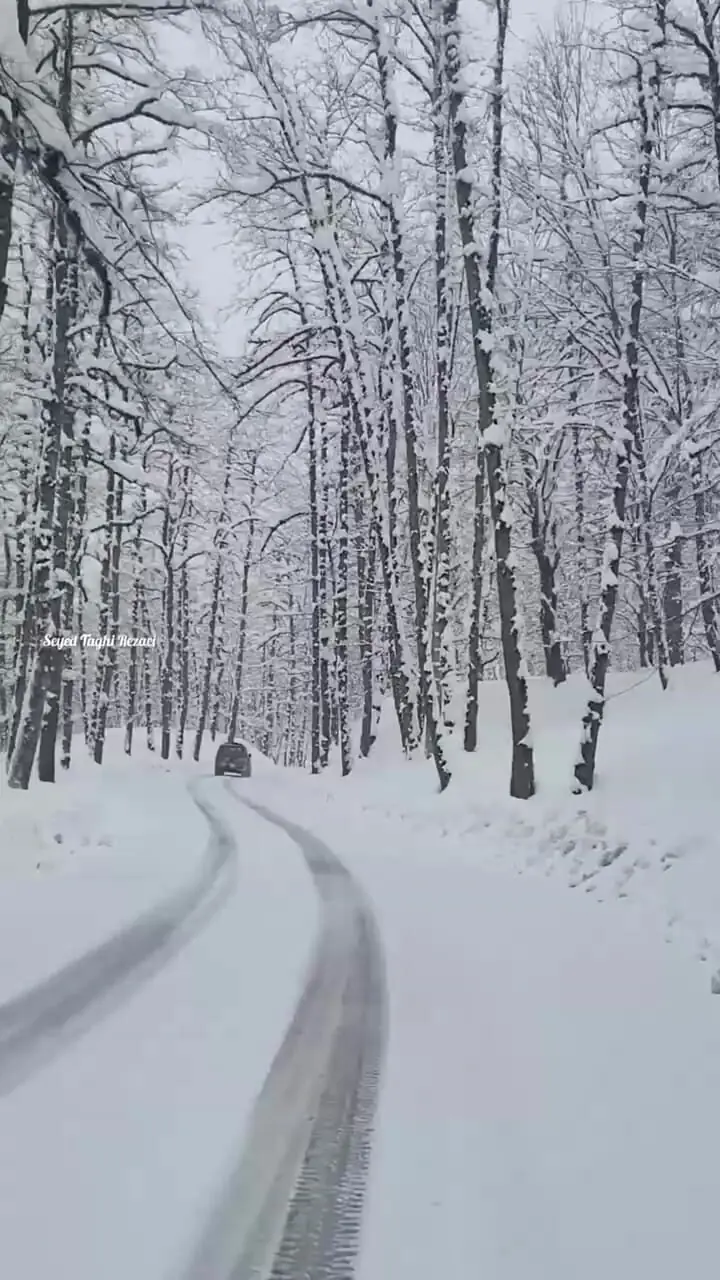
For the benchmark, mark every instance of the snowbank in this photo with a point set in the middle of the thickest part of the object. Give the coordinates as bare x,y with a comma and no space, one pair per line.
84,857
647,835
548,1107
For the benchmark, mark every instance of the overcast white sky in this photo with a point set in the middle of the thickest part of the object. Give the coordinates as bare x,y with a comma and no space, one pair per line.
210,268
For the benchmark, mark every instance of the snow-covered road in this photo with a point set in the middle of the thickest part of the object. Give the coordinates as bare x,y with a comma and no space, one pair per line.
282,1190
121,1146
293,1206
549,1100
43,1020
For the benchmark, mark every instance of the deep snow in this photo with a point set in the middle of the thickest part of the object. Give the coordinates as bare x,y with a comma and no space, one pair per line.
118,1149
549,1105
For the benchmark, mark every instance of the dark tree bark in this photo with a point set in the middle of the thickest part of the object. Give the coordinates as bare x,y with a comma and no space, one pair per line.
341,601
108,655
167,661
474,656
5,589
443,357
8,164
183,629
480,287
673,588
399,313
580,533
316,603
244,600
147,678
625,445
54,501
72,598
217,588
326,607
356,399
547,557
707,607
291,746
652,589
365,555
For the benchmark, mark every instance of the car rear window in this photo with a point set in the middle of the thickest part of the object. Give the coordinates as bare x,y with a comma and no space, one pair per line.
233,751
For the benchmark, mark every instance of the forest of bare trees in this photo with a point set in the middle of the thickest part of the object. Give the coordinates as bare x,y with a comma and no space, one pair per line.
472,429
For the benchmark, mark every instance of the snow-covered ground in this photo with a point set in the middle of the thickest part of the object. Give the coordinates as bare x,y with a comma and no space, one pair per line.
82,859
647,836
121,1145
549,1105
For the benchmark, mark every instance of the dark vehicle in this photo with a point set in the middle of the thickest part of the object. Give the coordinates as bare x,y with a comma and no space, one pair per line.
233,758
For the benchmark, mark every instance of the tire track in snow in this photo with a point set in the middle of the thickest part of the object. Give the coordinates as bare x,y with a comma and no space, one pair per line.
38,1024
292,1208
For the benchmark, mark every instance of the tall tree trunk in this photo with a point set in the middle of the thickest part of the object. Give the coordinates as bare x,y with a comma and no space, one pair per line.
326,707
183,625
357,400
65,302
643,630
291,738
399,312
74,567
134,671
542,544
53,512
105,593
365,553
480,289
4,644
581,536
443,354
244,603
316,603
476,588
652,590
8,164
167,665
707,607
217,587
109,655
183,629
341,601
624,445
673,589
147,677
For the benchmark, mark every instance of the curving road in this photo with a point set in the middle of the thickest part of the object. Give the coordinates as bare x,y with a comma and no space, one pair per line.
293,1207
38,1024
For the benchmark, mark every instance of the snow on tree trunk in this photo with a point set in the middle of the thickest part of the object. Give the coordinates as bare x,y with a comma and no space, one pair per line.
626,436
441,490
672,599
52,524
366,551
341,600
581,537
398,311
169,643
492,434
244,603
217,589
708,607
183,625
108,654
476,592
